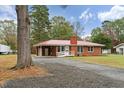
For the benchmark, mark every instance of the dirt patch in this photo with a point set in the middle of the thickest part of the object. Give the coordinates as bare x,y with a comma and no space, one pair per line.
9,61
33,71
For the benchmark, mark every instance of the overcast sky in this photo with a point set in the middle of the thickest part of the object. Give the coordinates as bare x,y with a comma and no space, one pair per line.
90,16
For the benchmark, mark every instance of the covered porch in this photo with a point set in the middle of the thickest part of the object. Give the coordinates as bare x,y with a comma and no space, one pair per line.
46,50
59,51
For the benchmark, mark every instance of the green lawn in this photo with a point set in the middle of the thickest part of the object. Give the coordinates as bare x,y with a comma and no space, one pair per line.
109,60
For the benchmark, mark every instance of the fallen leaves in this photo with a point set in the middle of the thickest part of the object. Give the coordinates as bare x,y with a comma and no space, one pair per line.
9,61
33,71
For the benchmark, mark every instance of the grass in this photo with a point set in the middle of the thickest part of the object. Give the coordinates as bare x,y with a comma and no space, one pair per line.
9,61
108,60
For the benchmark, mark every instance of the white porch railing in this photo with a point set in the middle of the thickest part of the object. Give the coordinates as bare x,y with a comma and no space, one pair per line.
64,53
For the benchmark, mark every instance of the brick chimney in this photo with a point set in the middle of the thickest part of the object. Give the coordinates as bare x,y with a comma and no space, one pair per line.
73,42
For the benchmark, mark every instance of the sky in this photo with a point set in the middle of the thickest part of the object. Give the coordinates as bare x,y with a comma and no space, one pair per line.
90,16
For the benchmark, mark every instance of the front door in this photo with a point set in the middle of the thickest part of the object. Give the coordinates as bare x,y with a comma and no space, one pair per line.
67,50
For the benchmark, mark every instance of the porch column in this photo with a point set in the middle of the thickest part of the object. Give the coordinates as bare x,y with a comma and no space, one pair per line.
40,51
37,50
56,50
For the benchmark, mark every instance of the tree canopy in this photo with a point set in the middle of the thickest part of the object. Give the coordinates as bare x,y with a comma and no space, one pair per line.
102,39
60,28
39,23
78,28
112,29
8,33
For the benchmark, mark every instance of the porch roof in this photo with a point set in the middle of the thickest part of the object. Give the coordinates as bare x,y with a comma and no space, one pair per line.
66,42
121,44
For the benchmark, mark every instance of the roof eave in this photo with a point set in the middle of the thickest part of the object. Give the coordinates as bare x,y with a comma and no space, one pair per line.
69,45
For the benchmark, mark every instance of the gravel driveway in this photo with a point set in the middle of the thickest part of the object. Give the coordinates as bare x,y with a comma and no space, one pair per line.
70,73
111,72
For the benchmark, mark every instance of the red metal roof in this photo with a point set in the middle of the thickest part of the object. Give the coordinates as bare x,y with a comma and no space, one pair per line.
66,42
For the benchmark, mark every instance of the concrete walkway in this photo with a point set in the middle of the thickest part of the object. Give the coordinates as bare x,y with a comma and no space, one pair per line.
114,73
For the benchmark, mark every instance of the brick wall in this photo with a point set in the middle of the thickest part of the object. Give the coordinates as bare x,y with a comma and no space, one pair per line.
73,42
74,50
96,51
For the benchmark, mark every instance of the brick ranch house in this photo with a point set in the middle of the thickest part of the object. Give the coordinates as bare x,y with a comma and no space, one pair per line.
70,47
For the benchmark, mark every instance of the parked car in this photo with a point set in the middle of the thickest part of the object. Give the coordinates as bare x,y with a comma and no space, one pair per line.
4,49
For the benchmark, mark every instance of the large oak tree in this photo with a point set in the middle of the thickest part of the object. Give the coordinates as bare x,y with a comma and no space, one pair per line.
23,34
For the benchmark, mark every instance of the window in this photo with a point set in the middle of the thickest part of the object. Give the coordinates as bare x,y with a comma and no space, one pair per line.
90,49
79,49
62,48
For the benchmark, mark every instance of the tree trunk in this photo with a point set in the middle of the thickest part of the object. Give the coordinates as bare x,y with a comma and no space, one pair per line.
23,34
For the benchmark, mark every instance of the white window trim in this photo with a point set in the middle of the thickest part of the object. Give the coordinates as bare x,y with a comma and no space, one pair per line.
61,48
90,49
80,49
